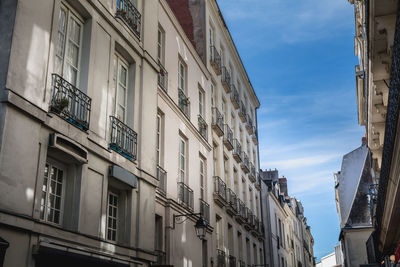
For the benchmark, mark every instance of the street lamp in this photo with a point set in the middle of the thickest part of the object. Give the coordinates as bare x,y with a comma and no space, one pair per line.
200,226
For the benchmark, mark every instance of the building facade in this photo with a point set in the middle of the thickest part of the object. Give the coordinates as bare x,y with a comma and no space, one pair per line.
377,45
133,120
288,240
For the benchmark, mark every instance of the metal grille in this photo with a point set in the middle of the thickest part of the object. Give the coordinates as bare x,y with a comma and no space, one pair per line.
162,178
128,12
163,77
185,195
203,127
70,103
205,210
220,187
123,139
184,103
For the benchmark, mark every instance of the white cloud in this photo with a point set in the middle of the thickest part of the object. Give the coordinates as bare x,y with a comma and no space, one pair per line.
302,162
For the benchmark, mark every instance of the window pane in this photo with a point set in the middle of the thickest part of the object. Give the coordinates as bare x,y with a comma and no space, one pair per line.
123,75
75,31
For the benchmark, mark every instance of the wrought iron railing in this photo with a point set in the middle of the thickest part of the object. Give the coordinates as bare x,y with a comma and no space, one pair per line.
242,111
232,200
237,149
252,173
232,261
205,210
217,119
226,80
70,103
203,127
228,136
185,195
221,261
184,103
242,209
163,77
219,187
234,96
245,163
123,139
162,178
215,59
249,123
249,217
127,11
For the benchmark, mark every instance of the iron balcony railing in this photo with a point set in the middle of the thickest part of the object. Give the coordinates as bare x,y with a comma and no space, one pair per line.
217,121
249,125
252,173
163,77
242,209
249,217
228,137
162,178
226,80
232,200
245,163
123,139
221,258
220,188
203,127
161,257
237,150
184,103
205,210
232,261
70,103
185,195
215,60
242,111
254,136
234,96
127,11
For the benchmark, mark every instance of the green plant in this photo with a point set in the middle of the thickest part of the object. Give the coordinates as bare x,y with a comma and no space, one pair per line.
62,103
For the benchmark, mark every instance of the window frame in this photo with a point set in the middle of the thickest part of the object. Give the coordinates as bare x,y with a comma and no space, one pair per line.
112,192
182,159
121,62
59,166
201,103
203,181
161,45
71,14
182,77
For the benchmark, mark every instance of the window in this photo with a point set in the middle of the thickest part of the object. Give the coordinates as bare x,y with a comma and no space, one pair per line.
215,160
222,56
112,216
212,95
240,244
121,82
251,206
219,233
248,255
160,139
230,240
211,33
236,181
52,193
201,103
181,76
160,45
244,190
202,179
182,160
226,169
158,234
255,258
224,110
69,44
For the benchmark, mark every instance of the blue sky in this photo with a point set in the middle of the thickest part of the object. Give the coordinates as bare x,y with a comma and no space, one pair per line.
300,59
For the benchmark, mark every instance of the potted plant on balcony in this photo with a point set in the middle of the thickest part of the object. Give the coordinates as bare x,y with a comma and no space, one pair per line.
60,104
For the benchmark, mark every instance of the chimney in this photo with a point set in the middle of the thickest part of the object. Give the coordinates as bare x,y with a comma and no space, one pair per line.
283,185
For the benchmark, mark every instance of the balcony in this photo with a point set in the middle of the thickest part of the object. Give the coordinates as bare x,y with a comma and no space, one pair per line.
217,121
123,139
237,151
254,136
242,112
232,207
232,261
261,231
220,192
235,96
128,13
241,217
257,185
221,258
205,210
252,173
161,258
255,223
249,124
245,163
248,225
184,103
228,137
203,127
162,179
226,80
163,78
70,103
215,60
185,195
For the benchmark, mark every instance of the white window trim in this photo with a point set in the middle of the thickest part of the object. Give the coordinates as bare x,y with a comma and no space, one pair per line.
184,170
116,217
121,62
